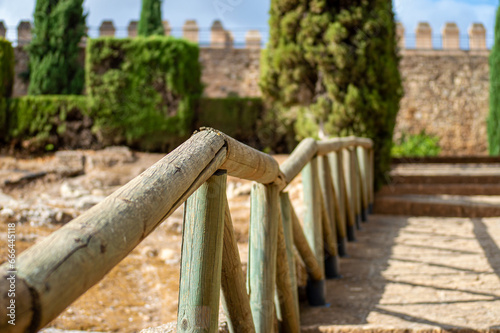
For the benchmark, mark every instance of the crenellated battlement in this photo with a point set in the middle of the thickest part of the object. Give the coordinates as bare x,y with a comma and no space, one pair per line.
450,37
219,36
423,38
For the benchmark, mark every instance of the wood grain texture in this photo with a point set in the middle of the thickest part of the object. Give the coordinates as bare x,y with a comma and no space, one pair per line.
327,205
245,162
336,144
336,164
263,237
300,156
234,294
64,265
371,181
356,182
313,227
286,299
201,258
349,181
363,176
305,251
287,220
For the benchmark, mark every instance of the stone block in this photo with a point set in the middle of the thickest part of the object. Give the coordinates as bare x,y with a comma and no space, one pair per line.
424,36
451,36
107,29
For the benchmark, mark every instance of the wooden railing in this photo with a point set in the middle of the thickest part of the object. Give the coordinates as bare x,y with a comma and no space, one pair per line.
337,181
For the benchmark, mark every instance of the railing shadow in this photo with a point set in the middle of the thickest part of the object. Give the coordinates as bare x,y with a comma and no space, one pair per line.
352,298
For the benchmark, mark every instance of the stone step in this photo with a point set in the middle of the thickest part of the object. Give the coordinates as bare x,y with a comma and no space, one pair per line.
432,189
438,205
445,179
446,174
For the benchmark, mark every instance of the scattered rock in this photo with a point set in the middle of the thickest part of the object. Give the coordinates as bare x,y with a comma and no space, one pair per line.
169,256
70,163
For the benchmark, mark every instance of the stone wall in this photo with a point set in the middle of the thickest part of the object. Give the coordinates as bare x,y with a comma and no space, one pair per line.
446,94
230,72
446,90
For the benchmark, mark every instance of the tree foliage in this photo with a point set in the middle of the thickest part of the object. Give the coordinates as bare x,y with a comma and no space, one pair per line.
150,22
494,114
332,66
6,68
59,25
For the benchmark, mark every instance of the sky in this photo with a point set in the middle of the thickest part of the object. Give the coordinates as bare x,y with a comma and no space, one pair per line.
242,15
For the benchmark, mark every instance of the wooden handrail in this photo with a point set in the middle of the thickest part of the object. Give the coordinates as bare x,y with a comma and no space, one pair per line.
53,273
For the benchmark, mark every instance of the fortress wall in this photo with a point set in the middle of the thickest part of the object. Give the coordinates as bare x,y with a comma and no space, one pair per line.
446,89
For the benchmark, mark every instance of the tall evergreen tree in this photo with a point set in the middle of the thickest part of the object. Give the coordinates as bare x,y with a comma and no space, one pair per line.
494,115
333,66
150,22
59,25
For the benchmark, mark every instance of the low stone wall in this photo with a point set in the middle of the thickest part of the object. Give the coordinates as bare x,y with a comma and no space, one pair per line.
446,94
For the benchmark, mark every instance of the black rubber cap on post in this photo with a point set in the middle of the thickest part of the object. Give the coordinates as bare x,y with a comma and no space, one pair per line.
351,233
342,247
358,221
370,208
364,215
332,267
316,292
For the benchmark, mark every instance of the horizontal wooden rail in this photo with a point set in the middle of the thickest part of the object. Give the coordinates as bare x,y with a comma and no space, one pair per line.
53,273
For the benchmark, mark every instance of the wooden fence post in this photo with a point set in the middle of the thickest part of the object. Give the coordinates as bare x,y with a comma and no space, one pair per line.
337,169
356,183
287,219
313,228
363,172
199,289
371,182
349,194
234,294
329,229
286,297
263,239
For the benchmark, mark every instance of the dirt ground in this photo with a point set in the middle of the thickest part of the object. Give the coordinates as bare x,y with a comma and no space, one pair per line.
401,273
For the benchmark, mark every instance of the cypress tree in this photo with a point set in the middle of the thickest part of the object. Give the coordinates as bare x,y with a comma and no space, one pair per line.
494,114
59,25
150,22
333,66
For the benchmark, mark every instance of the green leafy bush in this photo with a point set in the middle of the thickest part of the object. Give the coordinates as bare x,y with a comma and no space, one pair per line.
237,117
6,69
142,90
42,121
418,145
494,114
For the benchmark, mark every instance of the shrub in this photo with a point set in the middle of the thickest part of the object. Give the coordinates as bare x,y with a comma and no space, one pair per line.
142,90
6,68
417,145
236,117
333,66
59,25
494,114
45,122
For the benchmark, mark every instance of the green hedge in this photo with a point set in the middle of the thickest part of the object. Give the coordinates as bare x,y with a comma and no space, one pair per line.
236,117
41,121
142,90
6,68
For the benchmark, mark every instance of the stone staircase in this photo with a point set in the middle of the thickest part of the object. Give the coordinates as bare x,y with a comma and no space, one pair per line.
428,260
467,189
